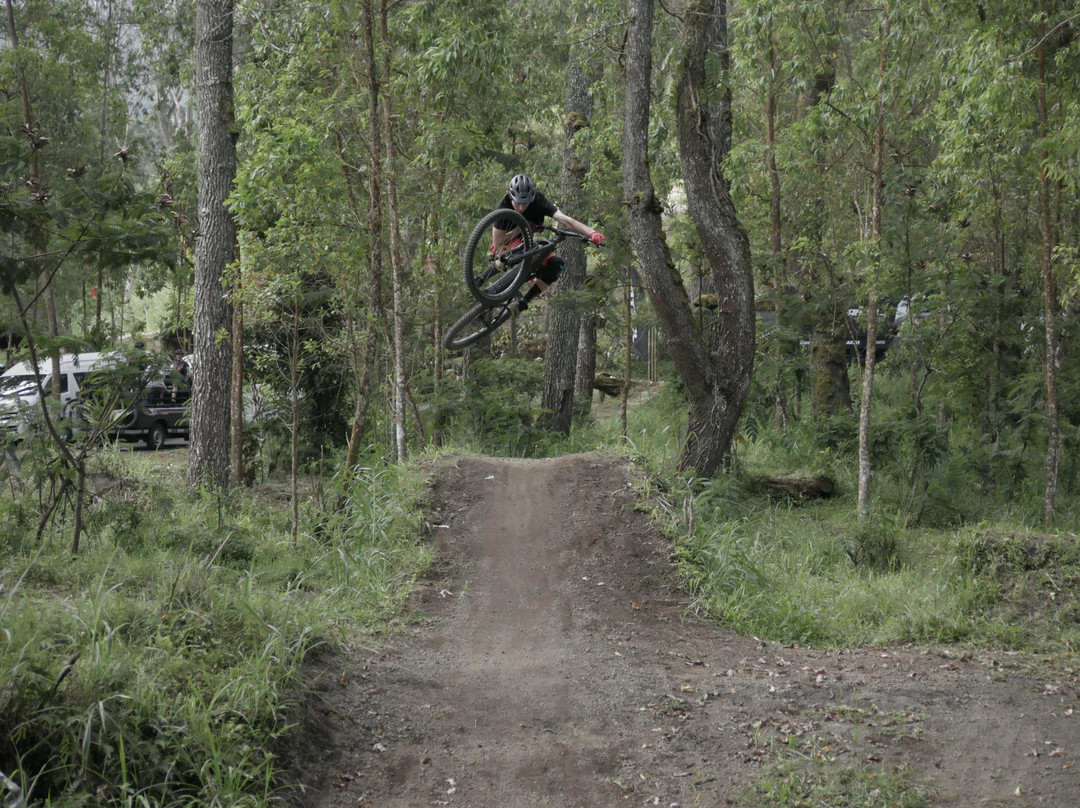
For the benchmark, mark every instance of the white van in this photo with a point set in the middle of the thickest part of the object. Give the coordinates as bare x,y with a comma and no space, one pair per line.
20,393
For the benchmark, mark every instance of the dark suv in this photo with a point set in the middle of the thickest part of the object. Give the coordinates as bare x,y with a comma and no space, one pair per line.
160,413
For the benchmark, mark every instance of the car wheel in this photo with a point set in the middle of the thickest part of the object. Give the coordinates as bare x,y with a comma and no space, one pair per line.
155,438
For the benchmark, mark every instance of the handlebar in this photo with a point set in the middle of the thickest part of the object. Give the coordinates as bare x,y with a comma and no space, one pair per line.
511,257
562,234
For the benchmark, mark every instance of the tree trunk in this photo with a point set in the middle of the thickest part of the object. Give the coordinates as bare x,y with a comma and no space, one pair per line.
362,368
870,361
658,271
628,347
866,406
375,303
647,235
40,237
564,320
236,389
828,366
716,382
1050,304
704,141
586,363
216,246
397,260
830,384
775,219
294,404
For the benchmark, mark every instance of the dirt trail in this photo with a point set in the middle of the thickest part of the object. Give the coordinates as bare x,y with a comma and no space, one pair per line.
558,668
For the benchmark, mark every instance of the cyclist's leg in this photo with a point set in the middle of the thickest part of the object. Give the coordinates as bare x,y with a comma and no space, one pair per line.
549,271
546,274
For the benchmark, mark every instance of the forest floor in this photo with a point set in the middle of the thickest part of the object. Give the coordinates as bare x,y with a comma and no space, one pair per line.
553,662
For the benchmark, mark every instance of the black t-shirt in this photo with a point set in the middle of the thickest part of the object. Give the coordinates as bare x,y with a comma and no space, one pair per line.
540,207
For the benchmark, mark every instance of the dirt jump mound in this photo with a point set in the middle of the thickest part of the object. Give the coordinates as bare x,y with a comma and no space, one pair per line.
556,665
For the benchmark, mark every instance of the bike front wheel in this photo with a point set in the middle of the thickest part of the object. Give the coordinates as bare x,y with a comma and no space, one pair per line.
475,324
494,278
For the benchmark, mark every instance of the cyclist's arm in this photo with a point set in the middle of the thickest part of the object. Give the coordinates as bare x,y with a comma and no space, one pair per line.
560,218
499,238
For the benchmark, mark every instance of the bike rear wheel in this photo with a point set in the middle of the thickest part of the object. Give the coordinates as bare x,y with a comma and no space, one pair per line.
494,279
475,324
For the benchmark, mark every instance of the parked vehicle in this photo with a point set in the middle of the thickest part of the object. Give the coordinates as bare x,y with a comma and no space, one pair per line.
21,389
160,412
891,319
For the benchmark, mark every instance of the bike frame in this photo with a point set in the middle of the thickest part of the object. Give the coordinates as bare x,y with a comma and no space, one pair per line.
540,252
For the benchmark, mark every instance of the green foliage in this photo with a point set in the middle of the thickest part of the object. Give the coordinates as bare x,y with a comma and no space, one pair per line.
1029,585
801,781
495,408
159,669
874,546
656,422
806,572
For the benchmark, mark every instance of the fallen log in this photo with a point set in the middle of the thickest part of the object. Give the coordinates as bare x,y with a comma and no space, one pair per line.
608,384
796,488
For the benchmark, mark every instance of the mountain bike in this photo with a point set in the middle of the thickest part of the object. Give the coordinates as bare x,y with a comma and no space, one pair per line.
495,278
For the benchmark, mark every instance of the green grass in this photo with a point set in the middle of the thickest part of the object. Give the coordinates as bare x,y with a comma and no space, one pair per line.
809,573
807,765
797,782
655,423
158,665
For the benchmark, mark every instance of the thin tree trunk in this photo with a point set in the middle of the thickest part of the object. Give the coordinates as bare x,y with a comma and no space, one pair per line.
236,391
560,357
1053,431
830,387
586,363
71,461
775,221
877,180
433,269
294,400
40,237
40,240
363,400
628,347
397,270
362,369
216,245
375,303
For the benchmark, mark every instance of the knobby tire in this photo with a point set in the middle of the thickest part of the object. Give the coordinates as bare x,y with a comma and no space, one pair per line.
488,283
474,325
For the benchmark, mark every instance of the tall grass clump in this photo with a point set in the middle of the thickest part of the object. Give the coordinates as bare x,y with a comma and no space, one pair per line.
157,667
655,423
808,572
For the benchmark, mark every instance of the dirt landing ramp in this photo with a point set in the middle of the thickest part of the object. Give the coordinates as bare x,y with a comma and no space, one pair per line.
556,666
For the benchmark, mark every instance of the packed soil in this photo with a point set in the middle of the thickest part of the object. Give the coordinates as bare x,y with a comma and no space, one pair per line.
555,662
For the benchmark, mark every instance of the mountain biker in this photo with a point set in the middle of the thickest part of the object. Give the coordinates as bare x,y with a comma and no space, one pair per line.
523,196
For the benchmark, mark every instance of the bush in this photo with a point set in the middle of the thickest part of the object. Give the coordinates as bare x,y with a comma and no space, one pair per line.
495,408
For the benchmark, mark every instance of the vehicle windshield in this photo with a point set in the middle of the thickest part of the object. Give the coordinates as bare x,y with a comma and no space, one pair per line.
18,385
